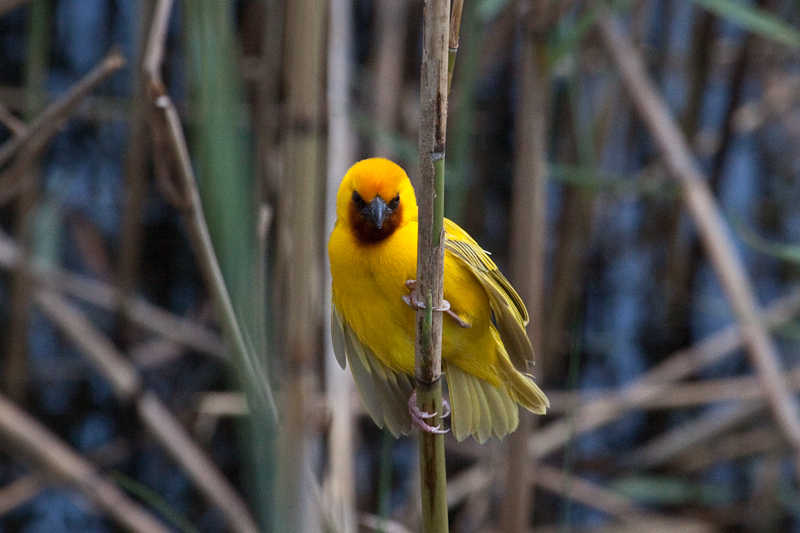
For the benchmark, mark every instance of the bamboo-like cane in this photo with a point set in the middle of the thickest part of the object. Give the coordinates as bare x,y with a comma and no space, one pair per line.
391,32
452,50
15,365
299,254
529,231
340,484
430,258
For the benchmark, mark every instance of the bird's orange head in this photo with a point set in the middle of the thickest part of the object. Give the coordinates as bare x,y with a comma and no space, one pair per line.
374,199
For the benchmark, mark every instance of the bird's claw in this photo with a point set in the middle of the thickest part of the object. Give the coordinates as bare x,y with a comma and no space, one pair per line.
411,300
418,416
446,408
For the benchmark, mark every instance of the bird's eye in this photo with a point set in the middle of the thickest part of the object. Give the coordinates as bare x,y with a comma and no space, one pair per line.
360,203
395,203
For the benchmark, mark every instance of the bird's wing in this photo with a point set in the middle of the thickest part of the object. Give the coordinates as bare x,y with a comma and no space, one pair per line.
337,338
384,392
509,310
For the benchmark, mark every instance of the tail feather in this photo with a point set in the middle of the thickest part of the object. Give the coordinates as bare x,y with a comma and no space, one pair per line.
482,410
525,391
485,419
501,403
479,409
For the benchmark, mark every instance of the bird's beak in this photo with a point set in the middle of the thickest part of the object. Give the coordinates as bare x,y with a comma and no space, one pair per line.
377,211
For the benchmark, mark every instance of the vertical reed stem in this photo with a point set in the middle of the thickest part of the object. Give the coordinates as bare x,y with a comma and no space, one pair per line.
529,231
452,51
15,366
340,483
300,220
430,257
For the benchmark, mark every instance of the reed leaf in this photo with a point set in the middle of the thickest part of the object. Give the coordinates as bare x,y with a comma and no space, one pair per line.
221,146
753,19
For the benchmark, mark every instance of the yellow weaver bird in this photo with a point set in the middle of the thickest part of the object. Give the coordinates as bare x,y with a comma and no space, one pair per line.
485,349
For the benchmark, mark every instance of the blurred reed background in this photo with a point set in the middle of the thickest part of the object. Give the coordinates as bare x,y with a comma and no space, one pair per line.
167,173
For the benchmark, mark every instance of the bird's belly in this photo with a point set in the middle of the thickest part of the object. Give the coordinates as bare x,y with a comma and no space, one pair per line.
368,292
387,330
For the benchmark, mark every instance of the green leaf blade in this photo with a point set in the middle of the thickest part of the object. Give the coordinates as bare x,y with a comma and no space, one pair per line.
755,20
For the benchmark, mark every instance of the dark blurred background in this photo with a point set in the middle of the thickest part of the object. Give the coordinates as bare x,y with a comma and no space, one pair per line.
92,227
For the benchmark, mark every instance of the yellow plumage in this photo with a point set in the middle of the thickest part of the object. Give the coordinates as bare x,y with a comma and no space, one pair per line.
373,252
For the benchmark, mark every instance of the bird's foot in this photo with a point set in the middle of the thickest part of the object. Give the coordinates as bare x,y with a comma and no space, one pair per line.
411,300
418,416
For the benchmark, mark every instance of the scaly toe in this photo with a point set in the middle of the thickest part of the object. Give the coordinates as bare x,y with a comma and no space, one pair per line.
444,308
412,302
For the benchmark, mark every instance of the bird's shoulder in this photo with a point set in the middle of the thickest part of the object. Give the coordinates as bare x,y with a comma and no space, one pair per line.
465,249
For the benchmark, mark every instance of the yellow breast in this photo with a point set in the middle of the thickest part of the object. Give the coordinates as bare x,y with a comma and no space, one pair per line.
368,286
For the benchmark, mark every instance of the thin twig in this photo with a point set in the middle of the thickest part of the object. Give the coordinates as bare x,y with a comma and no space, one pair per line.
45,449
597,497
756,441
680,365
149,354
131,240
566,485
15,125
683,395
154,51
17,180
100,350
50,120
20,491
586,492
180,445
168,125
711,225
172,154
25,488
677,440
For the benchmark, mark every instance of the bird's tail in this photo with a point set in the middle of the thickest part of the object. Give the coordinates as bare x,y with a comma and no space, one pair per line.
483,410
479,408
522,387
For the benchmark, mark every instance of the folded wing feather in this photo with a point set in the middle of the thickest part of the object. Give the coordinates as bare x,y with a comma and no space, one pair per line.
511,317
384,392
